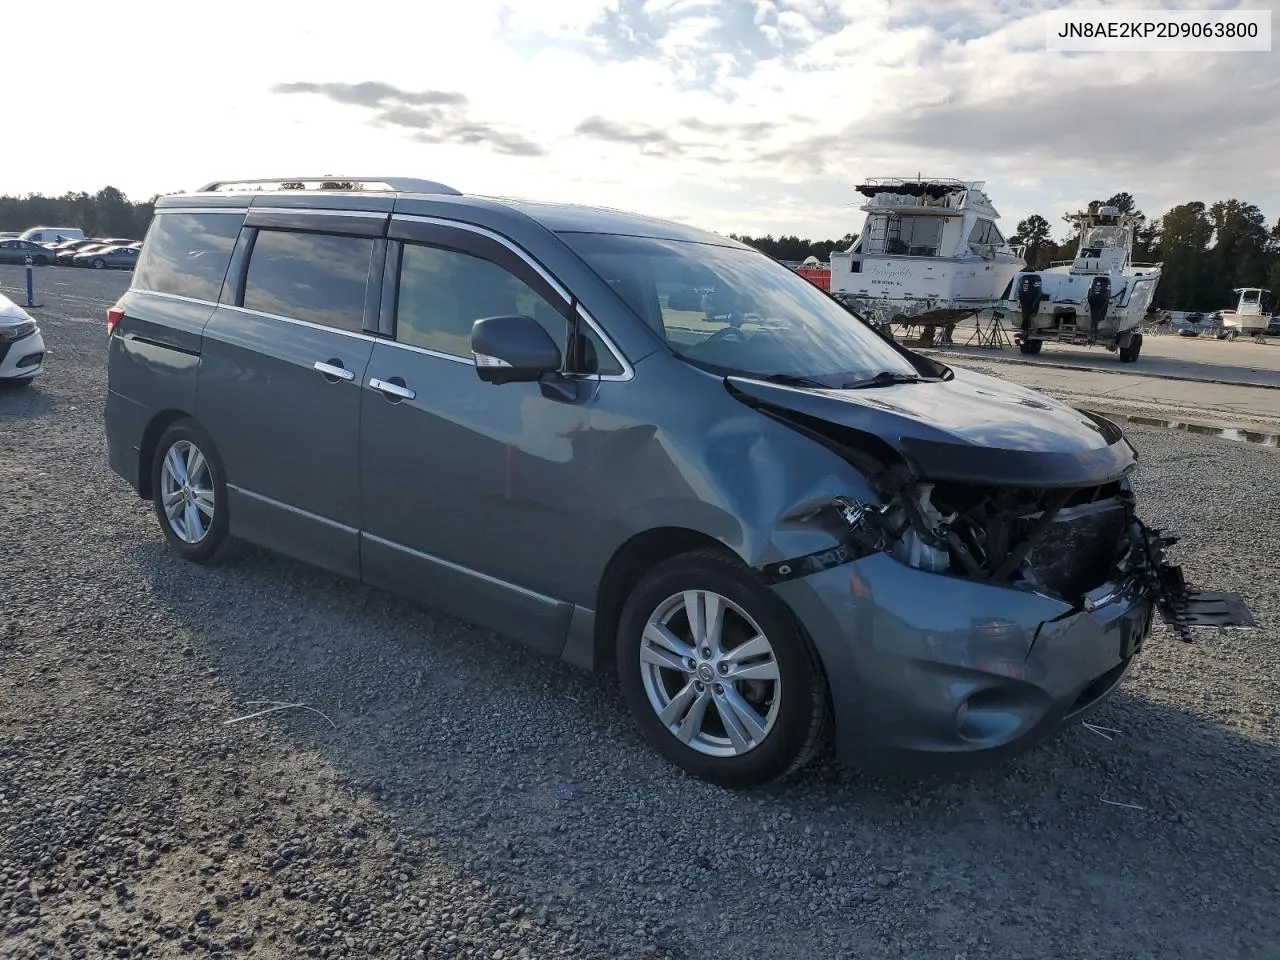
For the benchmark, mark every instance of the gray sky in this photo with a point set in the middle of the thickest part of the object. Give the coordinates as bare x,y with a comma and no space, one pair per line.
738,115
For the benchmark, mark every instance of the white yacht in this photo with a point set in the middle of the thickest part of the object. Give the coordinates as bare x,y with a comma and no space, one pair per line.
929,253
1099,297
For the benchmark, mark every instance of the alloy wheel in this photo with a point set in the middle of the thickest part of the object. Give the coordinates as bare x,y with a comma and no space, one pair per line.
710,673
186,490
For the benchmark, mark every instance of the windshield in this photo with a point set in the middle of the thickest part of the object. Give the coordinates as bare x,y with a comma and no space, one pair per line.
1106,236
737,311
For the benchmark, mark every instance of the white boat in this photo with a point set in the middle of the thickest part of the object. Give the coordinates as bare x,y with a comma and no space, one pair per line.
1099,297
929,253
1250,317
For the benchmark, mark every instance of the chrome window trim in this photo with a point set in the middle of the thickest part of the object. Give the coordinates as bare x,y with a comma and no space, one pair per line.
427,352
297,511
514,588
174,296
300,323
628,372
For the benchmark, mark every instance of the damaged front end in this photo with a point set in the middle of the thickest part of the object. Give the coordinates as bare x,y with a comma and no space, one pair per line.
1082,545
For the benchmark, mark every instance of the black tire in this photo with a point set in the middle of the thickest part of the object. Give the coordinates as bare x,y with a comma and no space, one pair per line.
99,263
1130,353
41,261
216,544
800,723
1030,347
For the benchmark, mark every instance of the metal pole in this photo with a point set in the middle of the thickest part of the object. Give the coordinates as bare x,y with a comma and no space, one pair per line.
31,286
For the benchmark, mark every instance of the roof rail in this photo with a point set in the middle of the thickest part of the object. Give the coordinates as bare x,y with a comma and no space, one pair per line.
373,184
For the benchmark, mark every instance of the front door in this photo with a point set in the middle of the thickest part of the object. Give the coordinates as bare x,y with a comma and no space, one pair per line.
280,391
471,492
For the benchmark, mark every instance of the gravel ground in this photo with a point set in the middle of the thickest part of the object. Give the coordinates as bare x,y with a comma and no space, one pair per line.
461,797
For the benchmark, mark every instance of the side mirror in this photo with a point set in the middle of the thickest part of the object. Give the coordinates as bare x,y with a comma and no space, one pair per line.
513,350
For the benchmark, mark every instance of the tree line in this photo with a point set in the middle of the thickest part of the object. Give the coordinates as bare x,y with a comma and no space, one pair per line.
1208,250
795,249
107,213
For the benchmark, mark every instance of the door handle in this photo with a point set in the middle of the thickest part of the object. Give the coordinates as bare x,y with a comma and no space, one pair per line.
397,390
334,370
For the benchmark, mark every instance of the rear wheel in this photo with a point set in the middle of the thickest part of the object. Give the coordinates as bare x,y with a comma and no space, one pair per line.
189,494
717,674
1031,346
99,263
1130,353
42,261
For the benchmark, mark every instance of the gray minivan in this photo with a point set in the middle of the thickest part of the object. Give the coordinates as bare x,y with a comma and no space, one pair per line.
638,447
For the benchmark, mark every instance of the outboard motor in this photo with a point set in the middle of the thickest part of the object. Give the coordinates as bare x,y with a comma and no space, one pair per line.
1098,299
1030,292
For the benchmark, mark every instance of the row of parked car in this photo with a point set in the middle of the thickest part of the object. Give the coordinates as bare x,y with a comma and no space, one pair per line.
99,253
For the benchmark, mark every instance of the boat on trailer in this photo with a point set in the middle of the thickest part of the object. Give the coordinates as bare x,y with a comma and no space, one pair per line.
929,254
1250,317
1101,296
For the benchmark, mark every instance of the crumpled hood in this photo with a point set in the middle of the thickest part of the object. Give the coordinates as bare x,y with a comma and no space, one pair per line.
973,428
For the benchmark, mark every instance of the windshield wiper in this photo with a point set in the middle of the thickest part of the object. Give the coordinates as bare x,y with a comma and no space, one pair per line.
885,378
790,380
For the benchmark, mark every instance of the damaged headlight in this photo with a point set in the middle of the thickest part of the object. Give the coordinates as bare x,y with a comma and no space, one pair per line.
912,530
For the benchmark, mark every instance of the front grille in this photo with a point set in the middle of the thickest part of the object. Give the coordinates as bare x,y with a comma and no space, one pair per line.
1079,550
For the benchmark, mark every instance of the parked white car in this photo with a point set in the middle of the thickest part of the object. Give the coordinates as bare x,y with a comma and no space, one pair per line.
21,345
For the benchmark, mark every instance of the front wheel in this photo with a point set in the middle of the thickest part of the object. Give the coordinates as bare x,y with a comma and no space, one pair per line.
189,494
1030,346
99,263
717,674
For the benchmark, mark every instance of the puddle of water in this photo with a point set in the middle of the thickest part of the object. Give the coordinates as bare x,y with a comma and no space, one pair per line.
1225,433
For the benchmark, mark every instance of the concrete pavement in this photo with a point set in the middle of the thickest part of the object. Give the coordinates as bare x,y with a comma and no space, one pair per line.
1212,383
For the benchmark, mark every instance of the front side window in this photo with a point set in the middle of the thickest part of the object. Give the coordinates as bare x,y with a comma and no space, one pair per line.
186,254
984,232
317,277
734,310
444,292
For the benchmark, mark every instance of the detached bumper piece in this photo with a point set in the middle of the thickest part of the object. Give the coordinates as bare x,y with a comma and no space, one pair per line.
1181,606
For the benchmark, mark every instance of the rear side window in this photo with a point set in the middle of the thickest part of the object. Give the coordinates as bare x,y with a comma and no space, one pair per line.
317,277
186,254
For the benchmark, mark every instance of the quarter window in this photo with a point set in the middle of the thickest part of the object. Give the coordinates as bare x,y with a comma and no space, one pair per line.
186,254
316,277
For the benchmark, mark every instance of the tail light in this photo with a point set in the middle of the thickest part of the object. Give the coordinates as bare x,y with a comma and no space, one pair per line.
114,316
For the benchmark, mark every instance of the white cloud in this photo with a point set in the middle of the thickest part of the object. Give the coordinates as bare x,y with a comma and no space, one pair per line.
734,114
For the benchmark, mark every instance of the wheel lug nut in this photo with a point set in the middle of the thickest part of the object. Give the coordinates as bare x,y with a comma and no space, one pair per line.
699,687
719,688
691,663
723,668
706,653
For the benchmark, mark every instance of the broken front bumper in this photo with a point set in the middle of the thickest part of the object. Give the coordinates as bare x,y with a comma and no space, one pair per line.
919,663
933,666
